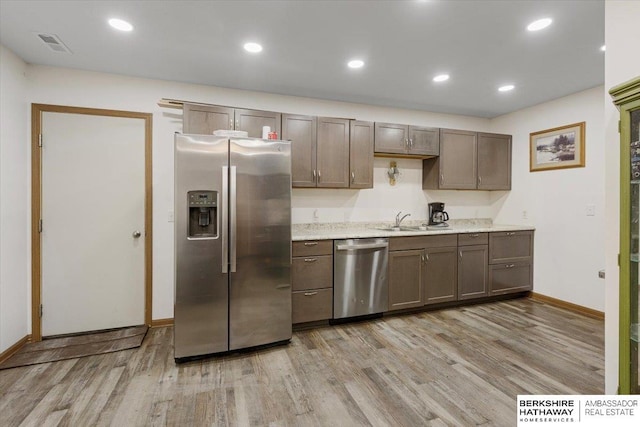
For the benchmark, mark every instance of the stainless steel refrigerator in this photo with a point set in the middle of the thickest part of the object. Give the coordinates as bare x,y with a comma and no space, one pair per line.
232,243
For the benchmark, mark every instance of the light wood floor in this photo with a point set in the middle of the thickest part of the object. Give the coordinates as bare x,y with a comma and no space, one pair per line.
461,366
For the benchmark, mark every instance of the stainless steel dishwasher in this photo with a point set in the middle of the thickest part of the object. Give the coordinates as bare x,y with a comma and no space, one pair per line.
360,283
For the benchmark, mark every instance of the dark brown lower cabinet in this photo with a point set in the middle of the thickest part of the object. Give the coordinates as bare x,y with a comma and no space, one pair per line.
312,305
312,272
441,275
312,281
473,263
405,279
509,278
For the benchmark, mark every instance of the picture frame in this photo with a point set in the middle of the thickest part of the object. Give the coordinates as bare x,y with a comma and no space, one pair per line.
557,148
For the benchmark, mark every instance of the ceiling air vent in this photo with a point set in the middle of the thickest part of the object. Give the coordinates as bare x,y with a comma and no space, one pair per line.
53,42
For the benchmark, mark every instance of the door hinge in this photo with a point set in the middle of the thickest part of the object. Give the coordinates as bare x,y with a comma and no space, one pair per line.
40,310
40,226
39,140
618,260
619,126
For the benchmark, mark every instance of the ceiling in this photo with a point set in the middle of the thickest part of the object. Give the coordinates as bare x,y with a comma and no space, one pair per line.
480,44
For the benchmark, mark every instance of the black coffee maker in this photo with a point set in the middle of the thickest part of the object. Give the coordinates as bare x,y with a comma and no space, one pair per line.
437,215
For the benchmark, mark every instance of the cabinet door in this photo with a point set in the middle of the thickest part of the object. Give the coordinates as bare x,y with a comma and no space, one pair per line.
204,119
361,154
312,272
510,246
458,160
312,305
333,153
510,278
424,141
441,275
494,162
391,138
405,279
472,272
301,131
252,121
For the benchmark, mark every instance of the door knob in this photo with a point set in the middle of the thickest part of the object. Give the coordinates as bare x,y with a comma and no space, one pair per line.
136,234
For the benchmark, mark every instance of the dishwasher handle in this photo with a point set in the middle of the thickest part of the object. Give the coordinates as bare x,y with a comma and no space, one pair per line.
362,246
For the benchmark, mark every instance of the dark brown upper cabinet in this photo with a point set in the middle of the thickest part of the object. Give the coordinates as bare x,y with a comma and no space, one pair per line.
329,152
406,141
204,119
361,154
332,158
469,161
494,161
302,131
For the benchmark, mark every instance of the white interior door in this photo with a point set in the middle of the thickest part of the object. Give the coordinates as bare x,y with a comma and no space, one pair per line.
93,192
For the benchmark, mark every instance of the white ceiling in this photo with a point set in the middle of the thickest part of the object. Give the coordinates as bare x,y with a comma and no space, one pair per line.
481,44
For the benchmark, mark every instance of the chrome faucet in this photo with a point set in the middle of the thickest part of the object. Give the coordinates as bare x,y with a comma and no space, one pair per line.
399,220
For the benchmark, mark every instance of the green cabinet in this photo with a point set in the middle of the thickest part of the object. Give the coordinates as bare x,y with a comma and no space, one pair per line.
627,98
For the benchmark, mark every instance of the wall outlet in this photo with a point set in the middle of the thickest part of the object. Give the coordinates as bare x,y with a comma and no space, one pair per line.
316,215
591,210
525,215
170,216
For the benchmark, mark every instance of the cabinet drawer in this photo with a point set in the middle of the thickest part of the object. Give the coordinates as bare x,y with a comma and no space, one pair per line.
510,277
310,306
510,246
313,247
312,272
467,239
421,242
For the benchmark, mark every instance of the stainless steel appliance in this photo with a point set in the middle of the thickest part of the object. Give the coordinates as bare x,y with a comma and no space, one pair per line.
232,243
437,215
360,282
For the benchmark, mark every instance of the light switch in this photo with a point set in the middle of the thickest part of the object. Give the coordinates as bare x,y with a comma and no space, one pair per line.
170,216
591,210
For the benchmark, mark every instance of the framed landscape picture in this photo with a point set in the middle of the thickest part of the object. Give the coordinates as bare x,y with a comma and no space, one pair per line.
557,148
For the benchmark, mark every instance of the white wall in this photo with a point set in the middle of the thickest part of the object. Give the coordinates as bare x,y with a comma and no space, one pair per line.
88,89
384,201
14,200
569,245
622,63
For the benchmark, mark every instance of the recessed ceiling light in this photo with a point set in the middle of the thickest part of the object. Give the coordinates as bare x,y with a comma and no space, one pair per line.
252,47
506,88
539,24
441,78
603,47
355,63
121,25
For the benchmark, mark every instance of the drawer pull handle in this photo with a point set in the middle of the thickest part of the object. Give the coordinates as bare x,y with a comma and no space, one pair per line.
310,259
310,294
511,233
475,235
310,243
510,265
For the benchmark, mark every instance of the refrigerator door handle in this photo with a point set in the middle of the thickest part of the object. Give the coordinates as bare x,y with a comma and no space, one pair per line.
225,219
232,218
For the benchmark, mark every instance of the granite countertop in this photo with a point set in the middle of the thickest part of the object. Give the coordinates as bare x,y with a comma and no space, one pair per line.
353,230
